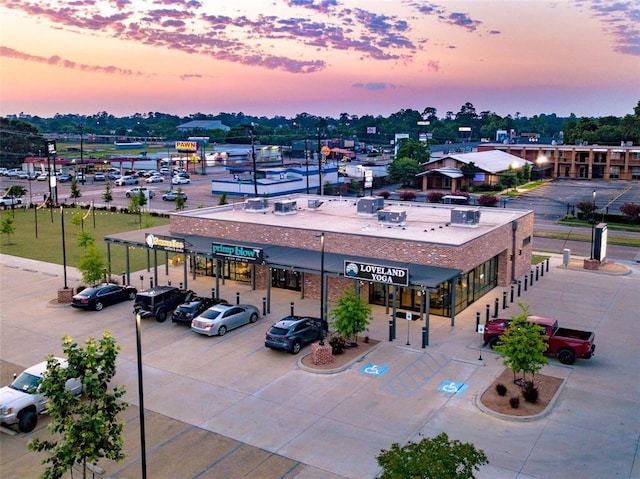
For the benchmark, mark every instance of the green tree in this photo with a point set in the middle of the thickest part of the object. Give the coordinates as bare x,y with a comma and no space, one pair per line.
7,228
351,315
83,431
431,458
179,200
75,190
523,345
107,195
414,149
92,265
223,199
85,239
15,190
404,171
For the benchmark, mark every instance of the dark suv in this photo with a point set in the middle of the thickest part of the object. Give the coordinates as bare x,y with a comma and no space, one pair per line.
192,308
158,302
293,332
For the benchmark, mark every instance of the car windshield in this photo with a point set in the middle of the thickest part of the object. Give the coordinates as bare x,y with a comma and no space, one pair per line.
27,383
185,309
210,314
278,331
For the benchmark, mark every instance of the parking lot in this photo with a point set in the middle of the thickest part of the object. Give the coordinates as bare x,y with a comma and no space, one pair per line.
229,407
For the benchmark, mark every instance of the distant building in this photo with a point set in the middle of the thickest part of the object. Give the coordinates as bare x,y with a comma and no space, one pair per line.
202,125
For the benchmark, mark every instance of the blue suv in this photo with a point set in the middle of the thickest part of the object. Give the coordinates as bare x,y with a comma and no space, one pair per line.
293,332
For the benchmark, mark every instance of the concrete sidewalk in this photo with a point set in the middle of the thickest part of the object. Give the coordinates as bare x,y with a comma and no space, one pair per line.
224,407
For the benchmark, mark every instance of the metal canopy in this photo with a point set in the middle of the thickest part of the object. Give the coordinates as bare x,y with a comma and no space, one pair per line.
283,257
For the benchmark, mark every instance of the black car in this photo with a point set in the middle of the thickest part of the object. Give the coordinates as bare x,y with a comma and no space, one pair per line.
103,295
196,306
160,301
293,332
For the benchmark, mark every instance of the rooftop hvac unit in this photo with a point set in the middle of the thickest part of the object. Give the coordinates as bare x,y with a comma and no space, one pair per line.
461,217
369,206
256,205
392,218
286,207
314,204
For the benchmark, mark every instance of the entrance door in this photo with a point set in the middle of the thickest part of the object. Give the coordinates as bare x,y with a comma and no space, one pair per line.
286,279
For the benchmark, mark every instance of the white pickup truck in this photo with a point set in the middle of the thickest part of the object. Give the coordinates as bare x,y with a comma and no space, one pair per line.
21,401
10,201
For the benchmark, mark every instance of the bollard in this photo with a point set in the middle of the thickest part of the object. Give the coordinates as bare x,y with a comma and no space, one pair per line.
504,300
537,270
181,285
238,297
213,293
512,290
124,278
495,310
291,308
151,282
169,282
531,278
541,270
142,281
547,265
486,319
519,287
477,320
525,282
264,306
425,337
390,330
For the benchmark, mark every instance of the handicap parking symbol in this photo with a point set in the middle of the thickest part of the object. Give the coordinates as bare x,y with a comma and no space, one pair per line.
374,369
452,387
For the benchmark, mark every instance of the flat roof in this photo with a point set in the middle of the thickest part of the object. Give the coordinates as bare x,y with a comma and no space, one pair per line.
424,222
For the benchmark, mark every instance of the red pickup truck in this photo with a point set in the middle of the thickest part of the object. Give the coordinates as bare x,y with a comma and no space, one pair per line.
566,344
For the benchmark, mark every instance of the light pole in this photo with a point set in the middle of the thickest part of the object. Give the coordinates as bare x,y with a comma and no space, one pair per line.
253,157
592,220
35,208
143,453
64,248
319,164
322,286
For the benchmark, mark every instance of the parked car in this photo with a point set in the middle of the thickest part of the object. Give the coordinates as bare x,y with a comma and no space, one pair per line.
154,179
42,177
23,175
9,200
566,344
64,177
21,401
293,332
103,295
99,176
165,171
80,177
126,180
113,176
180,180
172,195
221,318
12,173
160,301
196,306
136,191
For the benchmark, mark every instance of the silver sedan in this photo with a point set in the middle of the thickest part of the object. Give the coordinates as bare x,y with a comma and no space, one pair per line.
221,318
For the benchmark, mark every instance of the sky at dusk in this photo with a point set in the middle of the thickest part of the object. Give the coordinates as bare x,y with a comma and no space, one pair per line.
322,57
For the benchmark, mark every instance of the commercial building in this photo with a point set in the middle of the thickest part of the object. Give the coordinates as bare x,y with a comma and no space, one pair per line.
430,258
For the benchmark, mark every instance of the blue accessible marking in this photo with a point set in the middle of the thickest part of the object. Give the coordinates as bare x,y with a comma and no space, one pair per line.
452,387
374,369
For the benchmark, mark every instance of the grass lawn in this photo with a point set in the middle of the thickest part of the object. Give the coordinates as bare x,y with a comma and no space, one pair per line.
48,245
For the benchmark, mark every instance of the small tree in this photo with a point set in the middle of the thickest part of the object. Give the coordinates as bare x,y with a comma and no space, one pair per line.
16,190
92,265
435,196
631,210
107,195
404,170
85,239
523,345
179,200
83,431
7,228
75,191
223,199
488,200
351,315
431,458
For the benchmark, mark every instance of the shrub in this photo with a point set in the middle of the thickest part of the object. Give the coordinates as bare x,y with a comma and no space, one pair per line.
514,402
461,193
488,200
530,392
338,344
632,210
385,194
407,196
501,389
435,197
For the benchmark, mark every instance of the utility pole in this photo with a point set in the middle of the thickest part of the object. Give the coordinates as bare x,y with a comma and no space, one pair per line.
253,156
320,164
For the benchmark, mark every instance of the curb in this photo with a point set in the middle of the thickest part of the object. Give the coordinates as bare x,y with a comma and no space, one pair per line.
341,368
